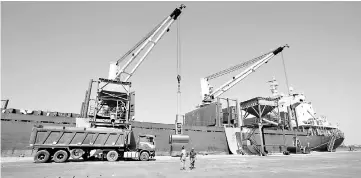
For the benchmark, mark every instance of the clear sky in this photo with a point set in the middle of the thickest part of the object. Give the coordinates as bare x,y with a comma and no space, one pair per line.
50,51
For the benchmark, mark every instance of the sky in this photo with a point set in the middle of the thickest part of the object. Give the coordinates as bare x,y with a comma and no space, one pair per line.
50,51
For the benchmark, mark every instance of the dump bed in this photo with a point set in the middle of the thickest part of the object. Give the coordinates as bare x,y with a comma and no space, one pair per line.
54,136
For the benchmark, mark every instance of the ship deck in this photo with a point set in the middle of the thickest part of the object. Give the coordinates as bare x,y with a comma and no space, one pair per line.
336,164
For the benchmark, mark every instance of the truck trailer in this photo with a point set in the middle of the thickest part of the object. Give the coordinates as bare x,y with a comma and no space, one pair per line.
61,143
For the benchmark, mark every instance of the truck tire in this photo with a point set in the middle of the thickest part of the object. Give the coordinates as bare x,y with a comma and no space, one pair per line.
144,156
60,156
41,156
76,153
112,155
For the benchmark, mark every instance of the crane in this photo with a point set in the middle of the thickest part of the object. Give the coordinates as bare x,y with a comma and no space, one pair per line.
208,94
113,107
116,71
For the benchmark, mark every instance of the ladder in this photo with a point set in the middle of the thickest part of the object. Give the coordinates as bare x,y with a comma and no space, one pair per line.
250,133
250,137
91,111
331,143
254,145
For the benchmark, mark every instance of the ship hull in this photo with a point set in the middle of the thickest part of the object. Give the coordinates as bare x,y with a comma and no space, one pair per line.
16,129
276,141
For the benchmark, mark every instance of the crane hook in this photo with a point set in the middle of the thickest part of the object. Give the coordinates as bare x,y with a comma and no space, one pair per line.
178,78
182,6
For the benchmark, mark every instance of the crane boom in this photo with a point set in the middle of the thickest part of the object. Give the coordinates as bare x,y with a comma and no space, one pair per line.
147,44
208,95
233,68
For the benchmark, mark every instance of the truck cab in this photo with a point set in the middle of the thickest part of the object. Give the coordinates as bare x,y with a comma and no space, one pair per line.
146,143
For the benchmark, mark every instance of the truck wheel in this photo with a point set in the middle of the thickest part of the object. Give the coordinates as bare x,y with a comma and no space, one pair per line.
144,156
60,156
112,156
76,153
41,156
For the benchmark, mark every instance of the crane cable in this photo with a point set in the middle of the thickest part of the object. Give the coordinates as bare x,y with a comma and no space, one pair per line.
284,69
178,68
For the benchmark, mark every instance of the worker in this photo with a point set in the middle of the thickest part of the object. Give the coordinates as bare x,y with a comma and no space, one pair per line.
192,158
183,157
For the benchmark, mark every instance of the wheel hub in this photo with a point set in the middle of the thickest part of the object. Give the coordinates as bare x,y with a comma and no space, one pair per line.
41,157
60,156
112,155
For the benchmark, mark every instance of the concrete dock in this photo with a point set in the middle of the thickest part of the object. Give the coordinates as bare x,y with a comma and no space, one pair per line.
335,164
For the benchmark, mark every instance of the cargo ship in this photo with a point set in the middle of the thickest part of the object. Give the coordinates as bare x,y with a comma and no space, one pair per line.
219,135
259,126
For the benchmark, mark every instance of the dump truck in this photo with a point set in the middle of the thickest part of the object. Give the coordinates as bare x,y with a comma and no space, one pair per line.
60,143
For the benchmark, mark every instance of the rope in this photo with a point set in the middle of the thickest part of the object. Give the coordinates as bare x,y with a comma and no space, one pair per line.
178,68
284,69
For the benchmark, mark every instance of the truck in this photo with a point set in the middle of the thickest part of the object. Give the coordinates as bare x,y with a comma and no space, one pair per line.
60,143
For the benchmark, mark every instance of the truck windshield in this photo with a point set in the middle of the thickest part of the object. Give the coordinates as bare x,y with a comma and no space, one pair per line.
147,139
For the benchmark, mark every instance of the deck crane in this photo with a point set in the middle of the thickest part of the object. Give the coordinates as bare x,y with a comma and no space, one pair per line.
208,94
113,98
148,43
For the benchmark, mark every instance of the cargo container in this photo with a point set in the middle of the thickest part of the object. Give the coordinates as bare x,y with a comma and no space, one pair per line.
61,143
